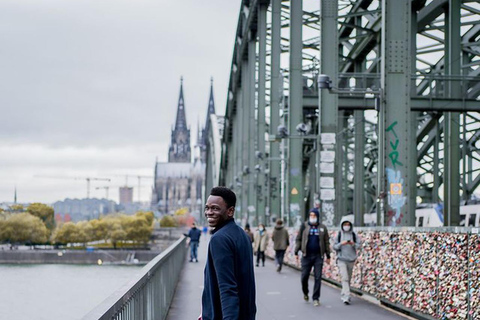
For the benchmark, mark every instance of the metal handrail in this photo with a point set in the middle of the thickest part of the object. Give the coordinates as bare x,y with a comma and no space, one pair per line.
149,294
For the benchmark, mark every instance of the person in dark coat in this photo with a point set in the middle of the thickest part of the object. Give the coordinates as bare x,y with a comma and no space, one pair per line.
194,235
281,242
314,242
229,280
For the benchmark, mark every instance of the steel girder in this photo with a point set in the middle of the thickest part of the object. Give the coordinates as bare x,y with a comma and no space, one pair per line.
359,37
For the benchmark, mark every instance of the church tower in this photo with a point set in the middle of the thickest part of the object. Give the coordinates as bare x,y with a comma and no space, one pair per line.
180,150
204,133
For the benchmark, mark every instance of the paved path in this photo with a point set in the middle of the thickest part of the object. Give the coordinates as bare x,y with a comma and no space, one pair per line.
279,296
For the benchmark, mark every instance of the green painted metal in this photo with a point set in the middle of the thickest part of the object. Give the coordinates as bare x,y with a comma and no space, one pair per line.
295,188
274,198
452,119
252,129
328,112
261,126
359,164
399,167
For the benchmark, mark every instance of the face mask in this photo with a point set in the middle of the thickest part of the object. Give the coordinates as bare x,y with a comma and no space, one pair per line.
347,228
312,220
261,229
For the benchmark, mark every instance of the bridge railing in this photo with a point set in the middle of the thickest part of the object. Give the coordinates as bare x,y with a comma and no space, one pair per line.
431,273
149,294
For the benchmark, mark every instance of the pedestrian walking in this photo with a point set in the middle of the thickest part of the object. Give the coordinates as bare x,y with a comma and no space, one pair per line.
229,283
281,242
194,235
313,241
260,242
249,232
346,245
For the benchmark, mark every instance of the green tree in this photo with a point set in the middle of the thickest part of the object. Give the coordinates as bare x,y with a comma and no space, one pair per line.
99,229
116,232
23,228
44,212
65,233
168,222
138,229
147,215
17,208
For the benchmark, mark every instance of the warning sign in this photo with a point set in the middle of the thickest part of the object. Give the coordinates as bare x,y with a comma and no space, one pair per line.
395,188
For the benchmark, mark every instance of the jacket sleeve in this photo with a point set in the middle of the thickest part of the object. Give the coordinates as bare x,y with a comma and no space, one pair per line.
337,246
222,251
298,239
326,238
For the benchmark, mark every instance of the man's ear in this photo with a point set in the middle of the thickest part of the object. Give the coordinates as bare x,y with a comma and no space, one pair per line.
231,211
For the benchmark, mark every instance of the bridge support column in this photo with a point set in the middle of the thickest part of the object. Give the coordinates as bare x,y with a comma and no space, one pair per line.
330,188
399,178
295,188
451,180
276,88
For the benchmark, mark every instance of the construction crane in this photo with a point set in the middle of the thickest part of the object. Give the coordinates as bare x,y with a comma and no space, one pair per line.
88,179
106,190
139,177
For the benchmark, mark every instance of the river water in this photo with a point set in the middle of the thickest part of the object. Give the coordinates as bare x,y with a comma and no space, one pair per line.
57,292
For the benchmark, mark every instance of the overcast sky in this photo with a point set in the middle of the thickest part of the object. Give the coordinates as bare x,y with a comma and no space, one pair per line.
89,88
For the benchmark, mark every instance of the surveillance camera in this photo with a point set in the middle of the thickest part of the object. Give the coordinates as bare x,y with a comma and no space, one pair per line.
324,82
258,168
282,131
259,155
246,170
303,128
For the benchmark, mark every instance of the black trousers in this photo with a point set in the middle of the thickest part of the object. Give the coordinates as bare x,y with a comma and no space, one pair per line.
315,261
260,255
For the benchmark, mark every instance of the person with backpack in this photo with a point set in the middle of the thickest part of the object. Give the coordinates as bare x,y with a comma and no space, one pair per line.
346,245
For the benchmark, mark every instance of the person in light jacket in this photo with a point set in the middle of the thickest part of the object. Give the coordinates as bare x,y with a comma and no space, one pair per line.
260,242
346,245
281,242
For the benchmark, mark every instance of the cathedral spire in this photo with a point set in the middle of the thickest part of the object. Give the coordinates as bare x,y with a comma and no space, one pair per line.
181,122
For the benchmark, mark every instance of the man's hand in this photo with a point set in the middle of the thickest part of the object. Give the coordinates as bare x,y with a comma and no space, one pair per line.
327,261
343,243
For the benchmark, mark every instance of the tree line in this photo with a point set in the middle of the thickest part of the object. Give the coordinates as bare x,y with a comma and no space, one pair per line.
36,225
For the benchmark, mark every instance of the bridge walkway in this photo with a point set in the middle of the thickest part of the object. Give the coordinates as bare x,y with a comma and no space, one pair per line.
279,296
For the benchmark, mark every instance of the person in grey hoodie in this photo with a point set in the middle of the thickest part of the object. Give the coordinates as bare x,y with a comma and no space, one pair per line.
346,245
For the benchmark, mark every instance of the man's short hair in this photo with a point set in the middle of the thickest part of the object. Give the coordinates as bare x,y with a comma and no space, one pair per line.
228,195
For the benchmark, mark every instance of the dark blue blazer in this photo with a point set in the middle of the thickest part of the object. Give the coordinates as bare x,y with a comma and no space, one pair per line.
229,285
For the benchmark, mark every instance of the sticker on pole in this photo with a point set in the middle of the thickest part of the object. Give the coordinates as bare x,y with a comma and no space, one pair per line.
396,188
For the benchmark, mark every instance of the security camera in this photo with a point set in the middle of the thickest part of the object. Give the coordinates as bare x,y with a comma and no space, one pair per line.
246,170
303,128
282,131
258,168
324,82
259,155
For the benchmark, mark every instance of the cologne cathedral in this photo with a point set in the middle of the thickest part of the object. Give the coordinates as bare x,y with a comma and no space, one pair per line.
179,183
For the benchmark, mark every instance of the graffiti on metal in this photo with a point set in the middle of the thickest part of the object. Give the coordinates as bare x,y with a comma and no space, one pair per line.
396,200
394,155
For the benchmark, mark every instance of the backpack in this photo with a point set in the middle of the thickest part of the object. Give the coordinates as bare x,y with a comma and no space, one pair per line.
340,235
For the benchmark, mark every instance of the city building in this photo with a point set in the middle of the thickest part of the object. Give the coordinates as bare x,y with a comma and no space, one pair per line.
125,195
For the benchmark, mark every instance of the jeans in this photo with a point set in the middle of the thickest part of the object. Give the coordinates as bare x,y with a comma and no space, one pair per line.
315,261
193,250
261,256
279,254
346,269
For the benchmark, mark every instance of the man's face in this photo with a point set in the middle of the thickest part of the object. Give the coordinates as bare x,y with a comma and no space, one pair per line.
313,215
216,211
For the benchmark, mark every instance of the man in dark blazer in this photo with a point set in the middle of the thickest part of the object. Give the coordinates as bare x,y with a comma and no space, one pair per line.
229,284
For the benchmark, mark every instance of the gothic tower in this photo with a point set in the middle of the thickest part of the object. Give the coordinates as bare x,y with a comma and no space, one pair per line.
180,150
204,133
